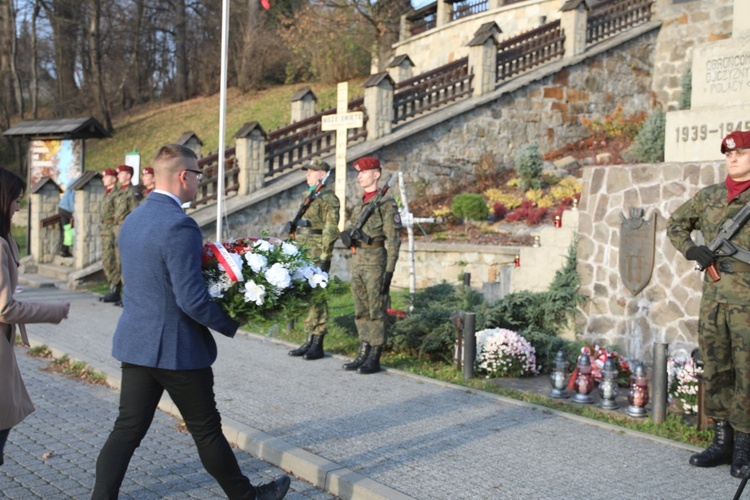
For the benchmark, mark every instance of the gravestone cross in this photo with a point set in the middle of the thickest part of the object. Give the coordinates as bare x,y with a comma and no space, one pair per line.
341,122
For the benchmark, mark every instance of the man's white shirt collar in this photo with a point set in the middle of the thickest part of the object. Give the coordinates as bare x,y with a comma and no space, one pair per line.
167,193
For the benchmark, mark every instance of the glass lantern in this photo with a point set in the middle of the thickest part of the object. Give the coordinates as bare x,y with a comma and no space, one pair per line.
559,376
584,382
638,393
608,386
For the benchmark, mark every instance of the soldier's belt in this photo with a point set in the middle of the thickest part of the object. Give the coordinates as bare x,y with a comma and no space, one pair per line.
377,243
306,230
733,266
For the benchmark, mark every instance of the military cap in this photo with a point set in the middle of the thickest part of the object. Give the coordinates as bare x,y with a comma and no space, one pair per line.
366,163
148,171
736,140
109,171
125,168
319,165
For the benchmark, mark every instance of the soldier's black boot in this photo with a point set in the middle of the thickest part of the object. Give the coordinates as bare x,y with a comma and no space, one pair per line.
720,451
741,456
301,350
112,296
364,352
316,348
372,364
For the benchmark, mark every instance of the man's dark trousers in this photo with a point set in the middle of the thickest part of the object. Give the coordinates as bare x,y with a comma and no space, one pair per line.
192,392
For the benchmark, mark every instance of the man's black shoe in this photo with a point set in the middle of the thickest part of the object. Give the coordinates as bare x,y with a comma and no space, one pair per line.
118,303
111,297
275,490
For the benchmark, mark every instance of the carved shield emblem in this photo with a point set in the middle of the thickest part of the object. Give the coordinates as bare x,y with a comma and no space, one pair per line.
637,241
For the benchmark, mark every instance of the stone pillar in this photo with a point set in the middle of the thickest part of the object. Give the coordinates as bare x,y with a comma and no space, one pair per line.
741,18
443,15
192,141
483,63
45,241
573,24
87,248
404,28
379,105
495,4
303,104
400,68
250,151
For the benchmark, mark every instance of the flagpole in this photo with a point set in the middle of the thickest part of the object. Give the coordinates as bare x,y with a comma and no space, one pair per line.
222,116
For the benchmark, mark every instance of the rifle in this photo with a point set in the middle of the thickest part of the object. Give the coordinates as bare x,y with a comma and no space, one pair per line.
348,238
291,226
722,247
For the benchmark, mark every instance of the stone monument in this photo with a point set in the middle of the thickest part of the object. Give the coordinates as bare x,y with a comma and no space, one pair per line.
720,102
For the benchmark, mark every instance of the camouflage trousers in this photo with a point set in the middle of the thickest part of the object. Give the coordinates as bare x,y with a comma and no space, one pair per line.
724,341
111,260
369,305
317,319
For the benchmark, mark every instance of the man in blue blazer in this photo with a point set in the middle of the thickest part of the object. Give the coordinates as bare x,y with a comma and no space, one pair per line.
163,338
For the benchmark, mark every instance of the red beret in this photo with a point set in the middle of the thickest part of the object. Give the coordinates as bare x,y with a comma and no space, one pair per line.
148,170
736,140
109,171
125,168
366,163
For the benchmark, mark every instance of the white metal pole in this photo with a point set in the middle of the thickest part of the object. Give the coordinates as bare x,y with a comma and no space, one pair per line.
410,233
222,116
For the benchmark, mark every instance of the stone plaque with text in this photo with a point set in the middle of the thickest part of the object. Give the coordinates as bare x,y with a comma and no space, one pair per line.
721,72
695,135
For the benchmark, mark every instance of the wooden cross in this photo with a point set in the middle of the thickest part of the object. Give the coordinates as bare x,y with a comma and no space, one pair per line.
341,122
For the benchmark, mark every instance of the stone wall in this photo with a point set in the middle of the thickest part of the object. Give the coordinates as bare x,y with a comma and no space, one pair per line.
445,44
686,25
666,310
547,111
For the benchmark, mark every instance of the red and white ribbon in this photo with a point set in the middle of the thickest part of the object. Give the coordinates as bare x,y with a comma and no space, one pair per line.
226,261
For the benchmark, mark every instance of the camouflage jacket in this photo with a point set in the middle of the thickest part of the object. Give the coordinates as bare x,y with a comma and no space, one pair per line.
125,201
321,215
383,224
108,209
707,211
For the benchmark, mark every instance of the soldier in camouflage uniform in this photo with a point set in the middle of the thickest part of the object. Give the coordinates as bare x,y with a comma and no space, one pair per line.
318,231
109,242
724,321
372,267
124,201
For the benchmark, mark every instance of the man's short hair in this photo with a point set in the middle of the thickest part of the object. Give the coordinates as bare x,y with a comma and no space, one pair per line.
172,151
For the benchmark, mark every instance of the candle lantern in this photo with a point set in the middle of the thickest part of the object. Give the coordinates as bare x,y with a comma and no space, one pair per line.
517,261
559,376
537,242
584,382
608,385
558,221
638,393
574,205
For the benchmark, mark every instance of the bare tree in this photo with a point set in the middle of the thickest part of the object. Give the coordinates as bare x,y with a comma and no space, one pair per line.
96,63
181,90
63,16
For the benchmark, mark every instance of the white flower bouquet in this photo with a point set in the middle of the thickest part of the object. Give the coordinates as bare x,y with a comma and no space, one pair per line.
264,281
682,382
504,353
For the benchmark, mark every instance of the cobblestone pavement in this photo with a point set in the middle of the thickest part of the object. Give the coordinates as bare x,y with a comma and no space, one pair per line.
52,454
385,436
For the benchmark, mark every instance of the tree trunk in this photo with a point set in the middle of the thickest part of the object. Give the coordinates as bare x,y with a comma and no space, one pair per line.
13,58
63,18
181,62
34,90
7,87
95,54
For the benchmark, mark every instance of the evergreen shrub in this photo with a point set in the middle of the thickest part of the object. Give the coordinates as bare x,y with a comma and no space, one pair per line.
529,166
649,143
470,206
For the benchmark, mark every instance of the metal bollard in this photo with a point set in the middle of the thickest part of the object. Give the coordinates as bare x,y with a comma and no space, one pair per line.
467,279
659,384
470,344
701,420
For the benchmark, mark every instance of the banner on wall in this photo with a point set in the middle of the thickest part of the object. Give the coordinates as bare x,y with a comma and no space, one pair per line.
59,159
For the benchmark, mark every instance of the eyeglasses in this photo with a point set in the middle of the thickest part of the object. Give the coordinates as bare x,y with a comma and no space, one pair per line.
198,173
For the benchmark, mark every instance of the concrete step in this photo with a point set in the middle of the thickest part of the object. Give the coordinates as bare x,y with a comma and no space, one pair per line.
55,270
39,281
